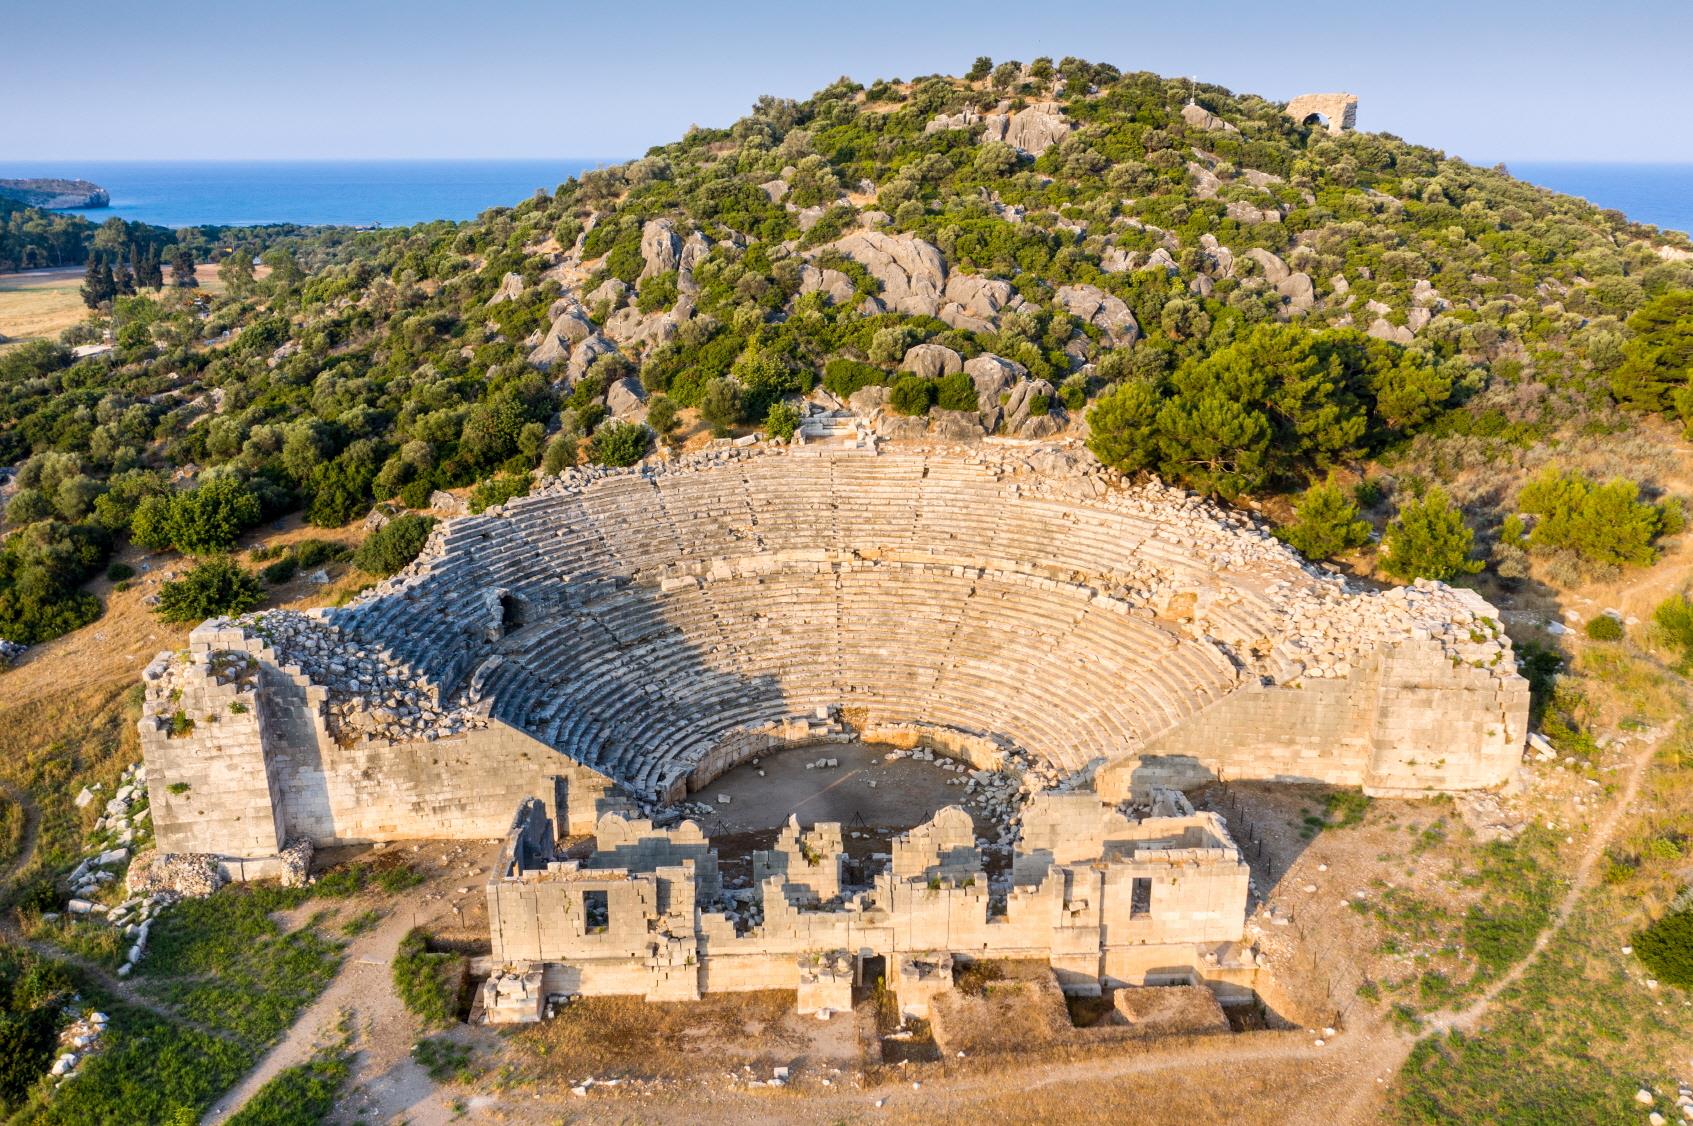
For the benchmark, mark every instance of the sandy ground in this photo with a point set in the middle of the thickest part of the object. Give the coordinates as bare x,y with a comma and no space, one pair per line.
40,304
385,1082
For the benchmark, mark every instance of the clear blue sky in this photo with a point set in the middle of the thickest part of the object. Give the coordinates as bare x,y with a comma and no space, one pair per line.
188,79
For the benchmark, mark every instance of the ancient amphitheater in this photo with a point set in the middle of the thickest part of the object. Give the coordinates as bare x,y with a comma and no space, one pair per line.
625,636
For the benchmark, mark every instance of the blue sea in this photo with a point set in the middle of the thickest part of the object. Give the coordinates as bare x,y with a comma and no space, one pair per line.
402,192
1660,194
392,193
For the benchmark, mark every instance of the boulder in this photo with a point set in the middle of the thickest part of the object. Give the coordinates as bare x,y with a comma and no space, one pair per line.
1032,130
1116,260
1040,426
442,501
610,292
833,284
586,353
626,397
993,375
1300,293
966,118
1275,270
1101,309
1022,395
1160,259
974,302
1383,329
868,400
551,352
661,249
932,360
1206,185
1201,118
1219,259
1243,212
912,272
775,190
958,426
511,288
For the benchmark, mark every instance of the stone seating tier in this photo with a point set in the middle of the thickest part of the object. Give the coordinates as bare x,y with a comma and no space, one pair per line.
643,617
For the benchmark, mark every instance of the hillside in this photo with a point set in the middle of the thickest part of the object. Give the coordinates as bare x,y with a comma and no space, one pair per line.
55,195
1210,290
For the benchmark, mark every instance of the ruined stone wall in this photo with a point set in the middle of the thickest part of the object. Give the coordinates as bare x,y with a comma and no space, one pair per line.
1340,111
209,783
260,764
1140,904
1409,720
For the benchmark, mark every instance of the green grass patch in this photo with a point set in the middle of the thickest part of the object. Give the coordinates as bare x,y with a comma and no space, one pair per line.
428,983
303,1095
362,923
223,961
445,1060
1666,948
147,1069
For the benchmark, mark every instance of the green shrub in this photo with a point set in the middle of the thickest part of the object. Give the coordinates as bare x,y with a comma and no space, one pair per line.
427,983
498,490
1325,524
782,420
619,443
118,572
1666,948
280,571
202,521
1673,623
394,545
213,588
1429,540
956,392
1603,524
721,405
302,1095
661,414
912,395
1604,628
842,377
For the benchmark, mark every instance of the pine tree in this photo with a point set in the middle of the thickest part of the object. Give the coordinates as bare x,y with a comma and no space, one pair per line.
1429,540
98,284
182,267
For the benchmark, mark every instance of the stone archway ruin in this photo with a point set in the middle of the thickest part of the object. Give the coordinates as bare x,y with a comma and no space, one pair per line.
1338,112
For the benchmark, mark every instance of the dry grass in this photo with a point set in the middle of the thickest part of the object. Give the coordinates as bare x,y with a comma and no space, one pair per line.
41,303
626,1036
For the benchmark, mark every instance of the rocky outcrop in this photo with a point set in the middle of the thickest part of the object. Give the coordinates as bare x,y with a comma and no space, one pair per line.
973,303
832,284
511,288
1201,118
54,195
993,375
626,397
1275,270
912,272
932,360
661,249
1101,309
966,118
1032,130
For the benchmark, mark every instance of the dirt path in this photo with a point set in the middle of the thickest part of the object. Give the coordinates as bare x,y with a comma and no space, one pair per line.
1389,1049
384,1029
31,833
1467,1018
121,988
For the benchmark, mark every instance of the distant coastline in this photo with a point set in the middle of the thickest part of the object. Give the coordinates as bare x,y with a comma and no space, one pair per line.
393,193
388,193
53,194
